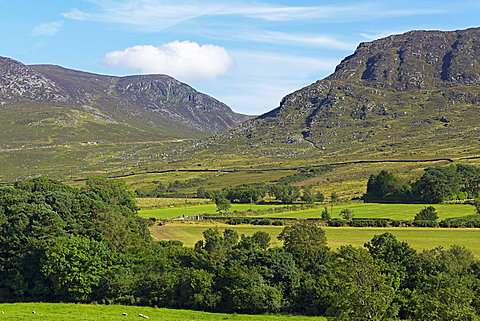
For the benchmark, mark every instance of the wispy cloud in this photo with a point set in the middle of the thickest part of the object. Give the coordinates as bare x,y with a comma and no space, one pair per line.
186,61
47,29
289,38
156,15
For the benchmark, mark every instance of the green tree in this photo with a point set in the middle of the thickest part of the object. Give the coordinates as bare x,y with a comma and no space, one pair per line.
334,199
347,214
74,266
286,193
319,197
359,291
303,240
308,195
244,194
223,205
428,213
382,184
437,184
325,215
201,193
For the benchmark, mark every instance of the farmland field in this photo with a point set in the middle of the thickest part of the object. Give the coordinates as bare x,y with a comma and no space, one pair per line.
361,210
418,238
86,312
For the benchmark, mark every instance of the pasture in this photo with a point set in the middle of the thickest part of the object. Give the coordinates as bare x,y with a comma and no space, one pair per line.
89,312
361,210
419,238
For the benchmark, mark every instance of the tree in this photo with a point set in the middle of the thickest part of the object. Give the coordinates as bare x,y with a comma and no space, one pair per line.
319,197
358,290
286,193
334,198
222,204
244,194
262,239
427,214
303,240
201,193
382,184
325,214
347,214
74,266
437,184
308,195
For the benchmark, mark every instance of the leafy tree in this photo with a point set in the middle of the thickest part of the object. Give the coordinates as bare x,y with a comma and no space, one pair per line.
470,176
382,184
74,266
201,193
319,197
308,195
428,213
325,214
445,297
286,193
334,199
347,214
262,239
437,184
223,205
359,291
244,194
304,240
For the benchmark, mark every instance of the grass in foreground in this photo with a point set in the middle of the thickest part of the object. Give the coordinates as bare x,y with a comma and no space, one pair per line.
419,238
63,311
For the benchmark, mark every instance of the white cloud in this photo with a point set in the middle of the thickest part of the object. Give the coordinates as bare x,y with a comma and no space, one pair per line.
47,29
308,40
184,60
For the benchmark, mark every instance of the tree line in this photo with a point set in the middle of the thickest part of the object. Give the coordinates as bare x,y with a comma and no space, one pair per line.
64,244
436,185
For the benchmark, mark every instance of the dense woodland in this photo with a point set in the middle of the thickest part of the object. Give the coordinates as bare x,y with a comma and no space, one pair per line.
63,244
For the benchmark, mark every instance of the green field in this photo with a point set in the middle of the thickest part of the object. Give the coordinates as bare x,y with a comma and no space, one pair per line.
191,210
418,238
62,311
361,210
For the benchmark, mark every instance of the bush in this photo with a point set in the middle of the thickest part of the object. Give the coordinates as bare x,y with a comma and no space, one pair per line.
425,223
277,223
336,222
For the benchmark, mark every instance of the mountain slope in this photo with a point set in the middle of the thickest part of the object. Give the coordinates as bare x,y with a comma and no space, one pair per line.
409,95
44,104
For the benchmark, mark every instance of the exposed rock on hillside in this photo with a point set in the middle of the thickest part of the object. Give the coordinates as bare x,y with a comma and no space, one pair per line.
154,104
402,95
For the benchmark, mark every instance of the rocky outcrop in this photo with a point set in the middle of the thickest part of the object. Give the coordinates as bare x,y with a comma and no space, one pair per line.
417,92
147,101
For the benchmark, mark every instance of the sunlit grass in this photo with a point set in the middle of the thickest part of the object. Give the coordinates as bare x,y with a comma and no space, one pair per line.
88,312
418,238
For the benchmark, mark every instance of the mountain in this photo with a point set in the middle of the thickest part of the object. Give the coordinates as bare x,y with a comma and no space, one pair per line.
404,96
45,104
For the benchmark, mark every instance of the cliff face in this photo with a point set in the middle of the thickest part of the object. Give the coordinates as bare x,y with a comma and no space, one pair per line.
157,104
406,94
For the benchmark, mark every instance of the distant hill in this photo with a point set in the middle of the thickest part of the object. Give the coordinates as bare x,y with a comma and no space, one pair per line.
45,105
404,96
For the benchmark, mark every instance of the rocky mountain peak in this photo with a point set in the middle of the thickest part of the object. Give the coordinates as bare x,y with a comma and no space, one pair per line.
416,59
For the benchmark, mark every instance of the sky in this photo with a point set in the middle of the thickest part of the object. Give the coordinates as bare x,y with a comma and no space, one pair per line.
247,54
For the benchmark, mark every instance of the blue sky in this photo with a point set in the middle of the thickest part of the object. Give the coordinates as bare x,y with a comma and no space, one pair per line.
248,54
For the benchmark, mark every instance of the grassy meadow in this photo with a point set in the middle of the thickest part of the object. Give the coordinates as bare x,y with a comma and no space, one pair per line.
419,238
361,210
87,312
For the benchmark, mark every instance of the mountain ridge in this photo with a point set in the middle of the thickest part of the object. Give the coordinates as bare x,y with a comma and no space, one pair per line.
394,96
158,104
